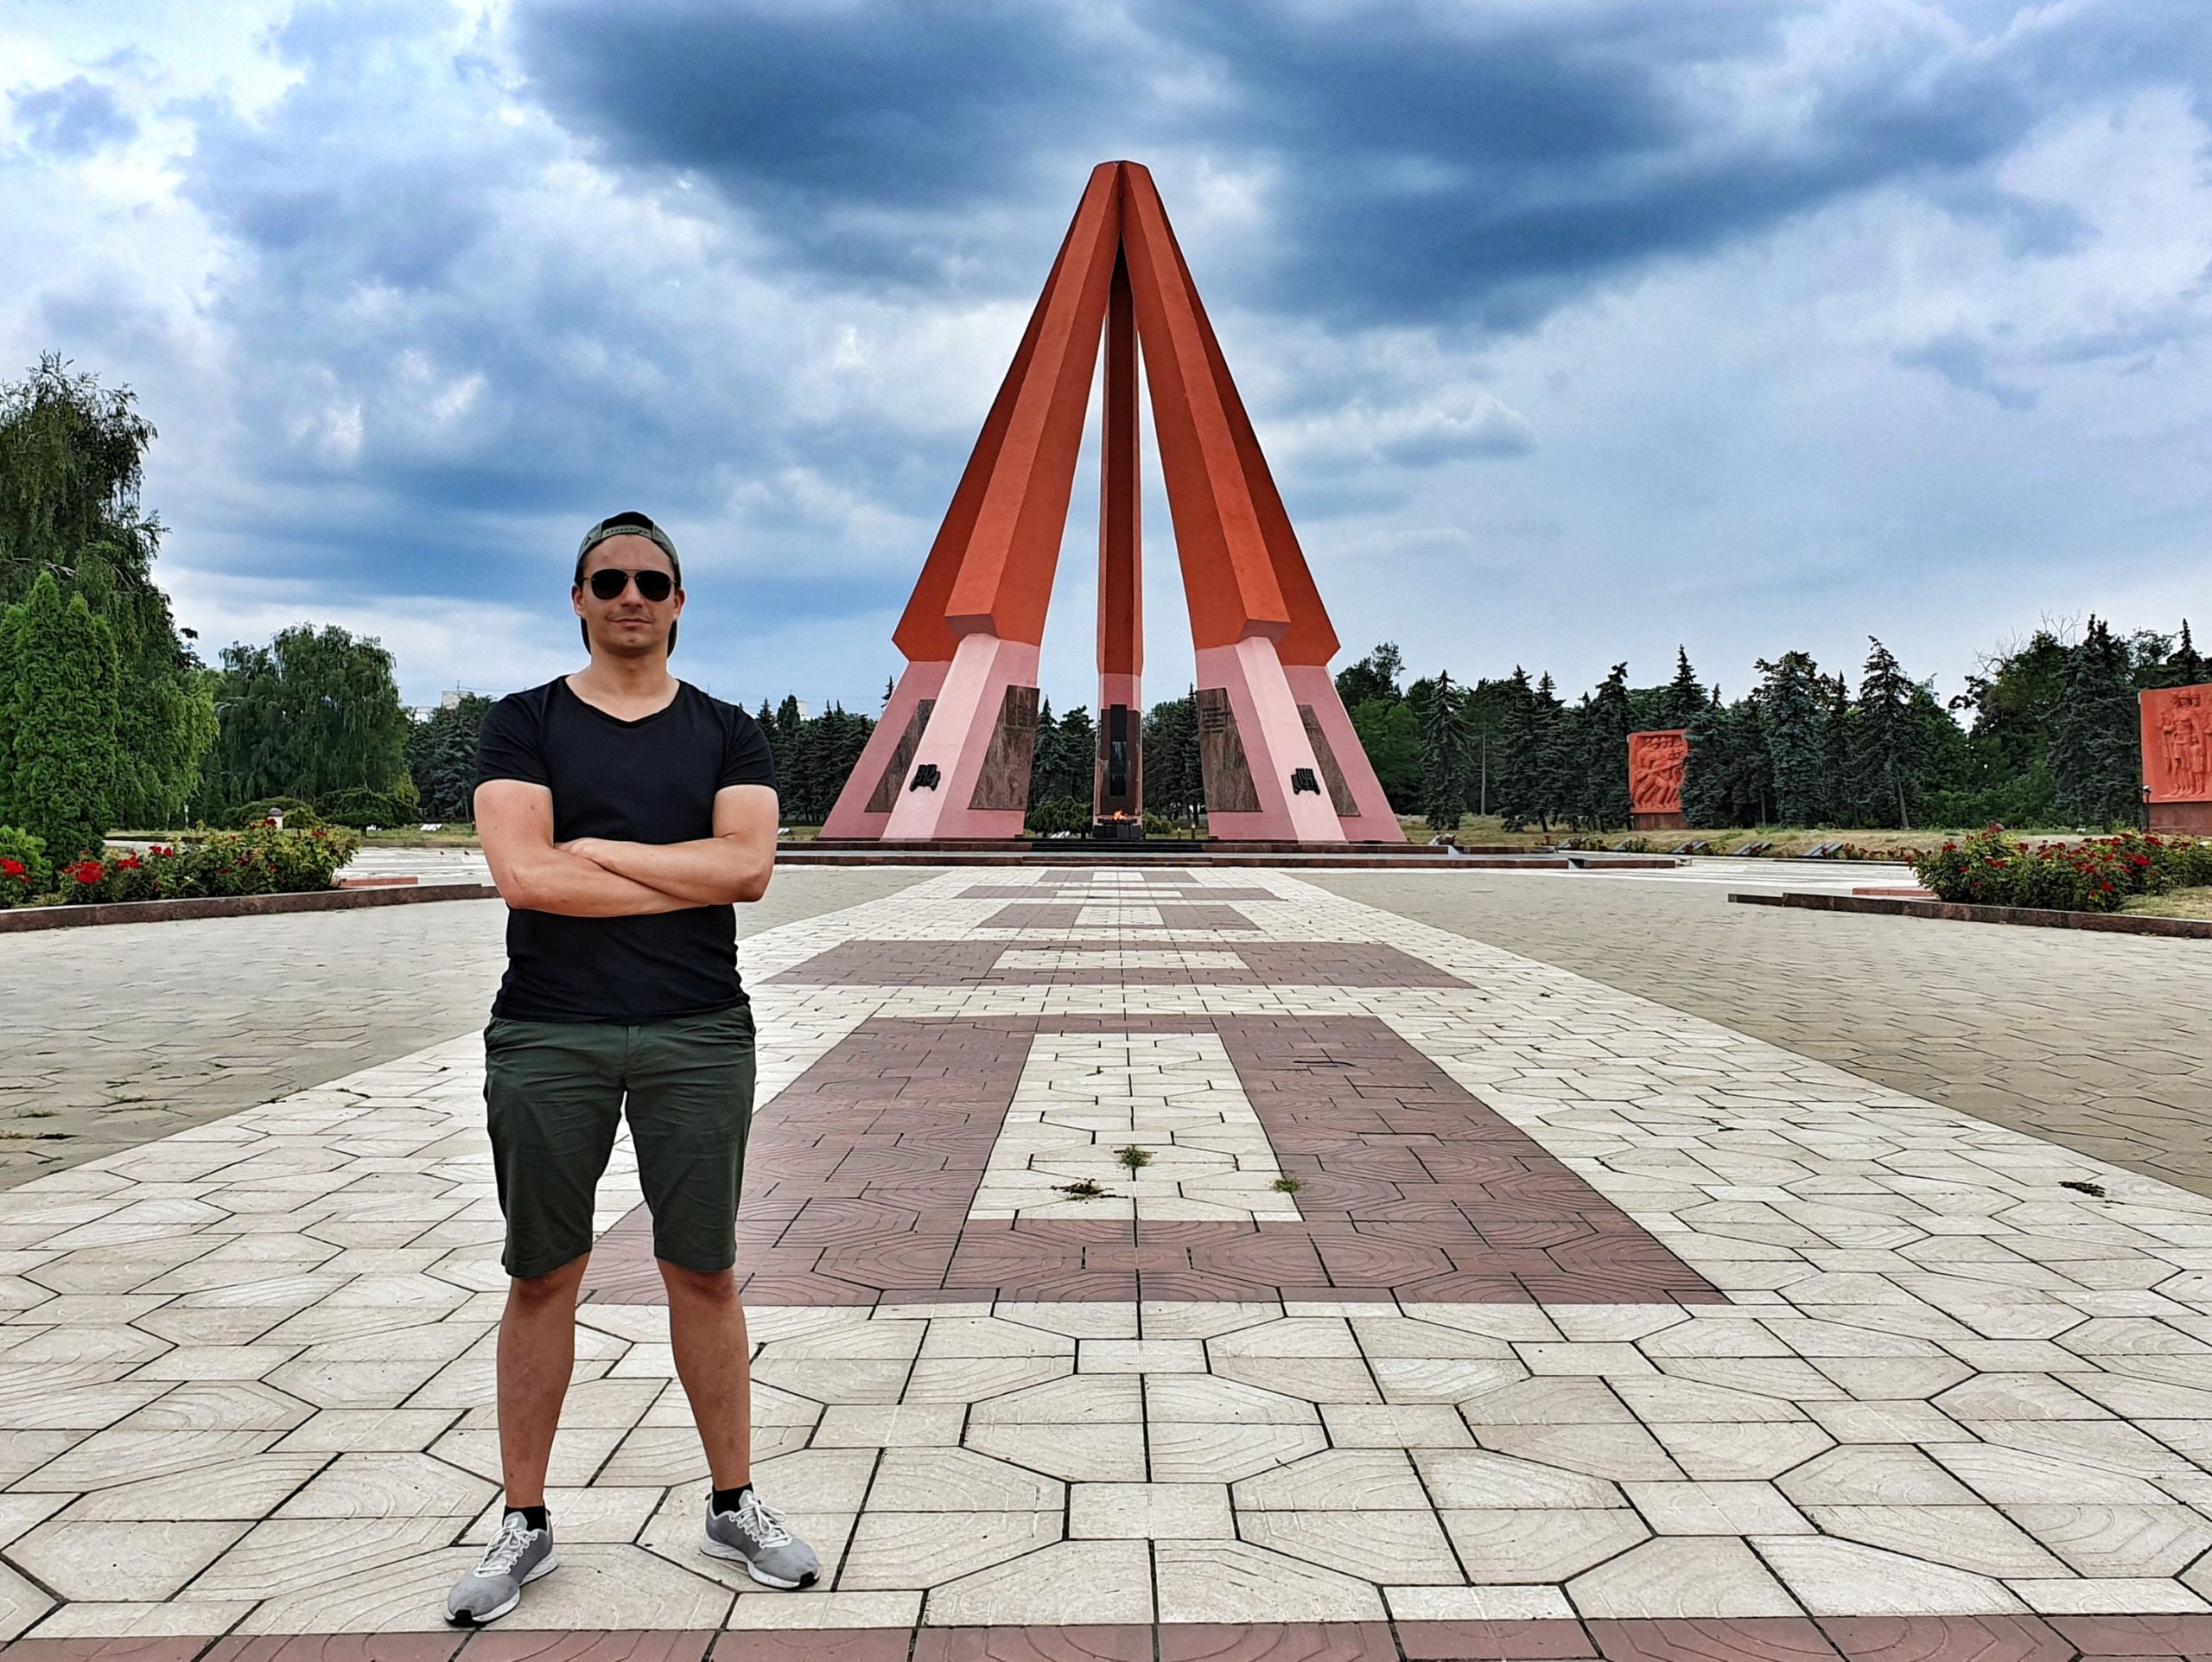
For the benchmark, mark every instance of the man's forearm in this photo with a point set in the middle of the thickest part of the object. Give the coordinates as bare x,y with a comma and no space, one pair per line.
709,871
571,886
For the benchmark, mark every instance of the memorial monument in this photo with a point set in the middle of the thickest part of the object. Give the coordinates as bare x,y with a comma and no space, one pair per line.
2178,757
950,758
1656,760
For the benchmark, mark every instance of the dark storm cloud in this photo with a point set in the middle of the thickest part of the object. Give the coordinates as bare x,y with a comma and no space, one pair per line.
1429,163
863,132
74,118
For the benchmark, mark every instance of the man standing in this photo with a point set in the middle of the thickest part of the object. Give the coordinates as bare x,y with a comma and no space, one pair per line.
623,813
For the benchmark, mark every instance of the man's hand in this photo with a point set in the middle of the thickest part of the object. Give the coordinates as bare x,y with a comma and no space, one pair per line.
734,864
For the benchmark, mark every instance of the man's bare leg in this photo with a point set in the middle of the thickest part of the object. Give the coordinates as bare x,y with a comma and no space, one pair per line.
714,1357
538,1352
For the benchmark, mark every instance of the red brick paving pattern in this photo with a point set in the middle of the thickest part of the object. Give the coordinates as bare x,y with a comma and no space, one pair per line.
976,963
1851,1639
861,1173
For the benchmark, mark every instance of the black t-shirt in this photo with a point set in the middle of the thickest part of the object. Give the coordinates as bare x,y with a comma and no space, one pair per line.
651,780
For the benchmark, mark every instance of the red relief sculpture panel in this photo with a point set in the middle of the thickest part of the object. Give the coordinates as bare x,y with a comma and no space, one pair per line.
1655,770
2177,743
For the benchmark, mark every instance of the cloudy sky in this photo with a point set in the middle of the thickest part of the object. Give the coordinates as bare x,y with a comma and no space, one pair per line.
1574,329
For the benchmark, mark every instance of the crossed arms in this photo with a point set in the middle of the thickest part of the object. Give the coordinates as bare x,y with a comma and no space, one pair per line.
594,877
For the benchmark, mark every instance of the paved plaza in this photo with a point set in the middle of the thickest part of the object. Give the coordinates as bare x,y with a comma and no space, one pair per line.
1517,1267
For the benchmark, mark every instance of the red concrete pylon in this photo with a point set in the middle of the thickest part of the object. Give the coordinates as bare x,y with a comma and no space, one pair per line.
950,756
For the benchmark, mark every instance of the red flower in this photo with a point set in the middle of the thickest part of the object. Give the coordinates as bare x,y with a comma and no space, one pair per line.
87,871
13,869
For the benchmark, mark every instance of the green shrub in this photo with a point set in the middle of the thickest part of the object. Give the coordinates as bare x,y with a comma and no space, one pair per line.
2098,873
25,872
259,860
1056,816
299,814
362,808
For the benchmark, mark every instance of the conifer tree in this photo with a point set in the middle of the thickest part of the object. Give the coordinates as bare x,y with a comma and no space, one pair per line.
2095,744
1708,801
1794,710
1602,795
60,716
1684,699
1444,757
2187,663
1886,736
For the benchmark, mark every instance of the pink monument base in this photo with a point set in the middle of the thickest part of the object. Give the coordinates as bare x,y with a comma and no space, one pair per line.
1258,760
978,739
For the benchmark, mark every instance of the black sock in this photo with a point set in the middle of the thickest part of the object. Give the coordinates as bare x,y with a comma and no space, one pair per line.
533,1516
726,1499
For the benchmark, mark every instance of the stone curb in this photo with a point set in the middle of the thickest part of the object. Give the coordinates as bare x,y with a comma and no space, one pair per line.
26,919
2112,923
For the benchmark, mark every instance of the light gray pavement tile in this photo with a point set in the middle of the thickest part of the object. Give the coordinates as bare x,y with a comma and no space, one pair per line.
2109,1444
991,1336
1873,1474
868,1426
1716,1508
658,1455
1504,1545
1681,1575
1909,1421
828,1480
1479,1604
579,1451
1183,1451
1070,1583
19,1511
1547,1401
925,1549
1375,1480
1237,1583
1977,1539
367,1430
1740,1450
2119,1541
247,1489
2125,1598
283,1556
1147,1512
1091,1452
676,1531
958,1481
22,1603
1394,1425
390,1486
1413,1380
1619,1452
1833,1578
963,1379
1205,1398
133,1456
1323,1380
143,1619
108,1559
1476,1478
1406,1546
2010,1477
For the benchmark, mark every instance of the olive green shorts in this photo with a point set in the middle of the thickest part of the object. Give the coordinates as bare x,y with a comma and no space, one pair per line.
555,1092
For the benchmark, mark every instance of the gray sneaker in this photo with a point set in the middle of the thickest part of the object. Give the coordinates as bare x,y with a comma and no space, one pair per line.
518,1554
754,1535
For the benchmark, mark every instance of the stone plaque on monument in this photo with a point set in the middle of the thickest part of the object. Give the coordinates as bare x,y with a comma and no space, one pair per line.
1654,778
2177,756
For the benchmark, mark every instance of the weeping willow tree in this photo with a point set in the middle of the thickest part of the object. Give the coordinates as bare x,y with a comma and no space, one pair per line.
71,459
315,714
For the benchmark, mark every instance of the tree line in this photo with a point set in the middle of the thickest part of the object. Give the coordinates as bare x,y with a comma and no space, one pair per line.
2050,737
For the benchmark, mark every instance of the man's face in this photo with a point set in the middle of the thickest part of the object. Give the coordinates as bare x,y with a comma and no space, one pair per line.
628,626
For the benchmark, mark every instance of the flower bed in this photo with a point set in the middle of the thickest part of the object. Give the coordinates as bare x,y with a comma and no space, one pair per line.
264,859
2097,875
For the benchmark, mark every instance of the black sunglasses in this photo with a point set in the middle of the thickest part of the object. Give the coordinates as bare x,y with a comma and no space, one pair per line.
609,581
